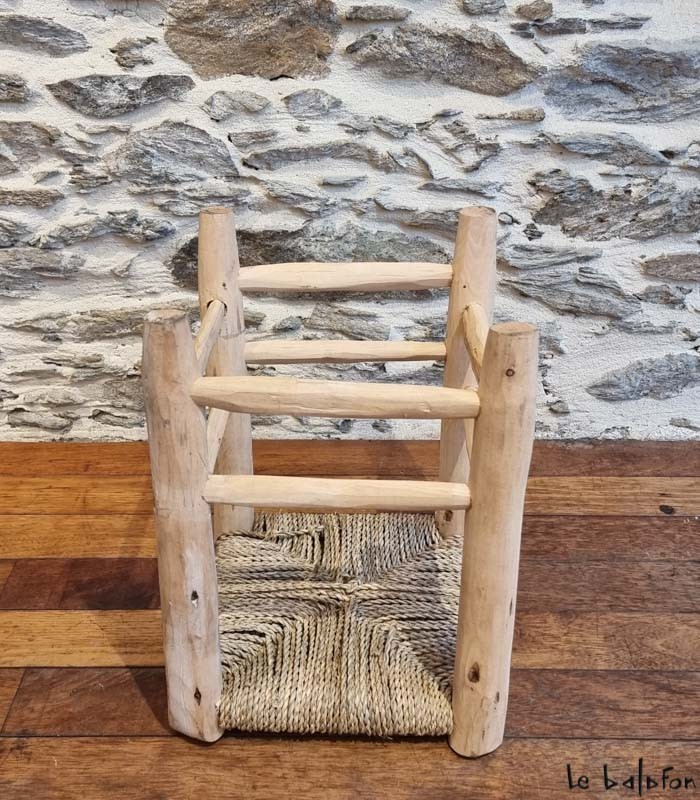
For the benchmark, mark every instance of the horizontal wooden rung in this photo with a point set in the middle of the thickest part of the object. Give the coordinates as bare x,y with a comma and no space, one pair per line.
340,351
314,276
266,491
299,397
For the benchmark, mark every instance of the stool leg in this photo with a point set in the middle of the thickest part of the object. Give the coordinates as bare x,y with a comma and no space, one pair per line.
185,542
503,436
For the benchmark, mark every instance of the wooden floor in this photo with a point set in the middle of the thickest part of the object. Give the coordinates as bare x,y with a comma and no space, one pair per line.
606,659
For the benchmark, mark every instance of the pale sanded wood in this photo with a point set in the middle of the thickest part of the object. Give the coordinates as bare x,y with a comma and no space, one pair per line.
209,332
339,351
185,541
263,395
476,329
315,276
503,436
474,280
216,428
218,280
267,491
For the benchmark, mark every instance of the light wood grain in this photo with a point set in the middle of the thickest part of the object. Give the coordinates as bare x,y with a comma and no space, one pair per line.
474,266
314,276
209,332
340,351
503,436
262,395
566,640
476,329
265,491
217,279
216,428
177,438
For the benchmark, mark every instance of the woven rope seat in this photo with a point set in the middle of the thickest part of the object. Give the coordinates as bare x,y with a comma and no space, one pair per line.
338,624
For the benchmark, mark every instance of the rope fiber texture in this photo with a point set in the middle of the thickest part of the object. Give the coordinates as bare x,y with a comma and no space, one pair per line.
338,624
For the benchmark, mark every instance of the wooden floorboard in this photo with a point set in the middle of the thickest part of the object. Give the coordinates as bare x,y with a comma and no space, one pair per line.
545,538
583,496
542,704
132,584
387,458
254,768
606,653
543,640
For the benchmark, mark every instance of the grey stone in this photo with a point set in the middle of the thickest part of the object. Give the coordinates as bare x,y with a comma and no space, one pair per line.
617,148
343,180
392,127
130,224
474,59
310,103
617,22
86,180
587,291
627,82
356,124
462,185
222,105
551,339
559,407
659,378
116,420
312,201
67,358
377,13
562,26
314,243
253,37
636,212
532,114
40,33
38,198
172,152
24,142
637,326
288,324
244,140
111,95
187,201
277,157
684,422
56,396
674,266
536,10
23,270
665,295
48,421
459,143
528,256
352,323
128,52
13,89
474,7
444,221
12,232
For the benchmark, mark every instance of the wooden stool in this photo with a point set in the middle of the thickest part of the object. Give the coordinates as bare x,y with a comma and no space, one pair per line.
199,462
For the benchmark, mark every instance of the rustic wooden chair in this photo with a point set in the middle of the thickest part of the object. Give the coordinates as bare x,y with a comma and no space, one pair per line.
199,461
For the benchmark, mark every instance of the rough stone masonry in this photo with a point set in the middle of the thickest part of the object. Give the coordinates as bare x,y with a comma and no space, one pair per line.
341,131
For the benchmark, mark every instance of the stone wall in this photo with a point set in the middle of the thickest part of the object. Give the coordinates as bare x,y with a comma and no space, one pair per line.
343,131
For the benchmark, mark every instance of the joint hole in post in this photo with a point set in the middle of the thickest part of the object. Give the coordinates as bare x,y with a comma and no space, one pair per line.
474,673
194,597
197,696
510,372
498,696
448,516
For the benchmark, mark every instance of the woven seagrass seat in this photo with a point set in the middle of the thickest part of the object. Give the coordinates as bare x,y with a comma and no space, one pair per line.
338,623
330,605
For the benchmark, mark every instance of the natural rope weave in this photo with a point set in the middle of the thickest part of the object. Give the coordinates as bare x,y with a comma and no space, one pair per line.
338,623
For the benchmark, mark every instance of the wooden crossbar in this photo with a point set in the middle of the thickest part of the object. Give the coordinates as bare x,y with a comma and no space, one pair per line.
209,332
265,395
266,491
315,276
340,351
476,330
